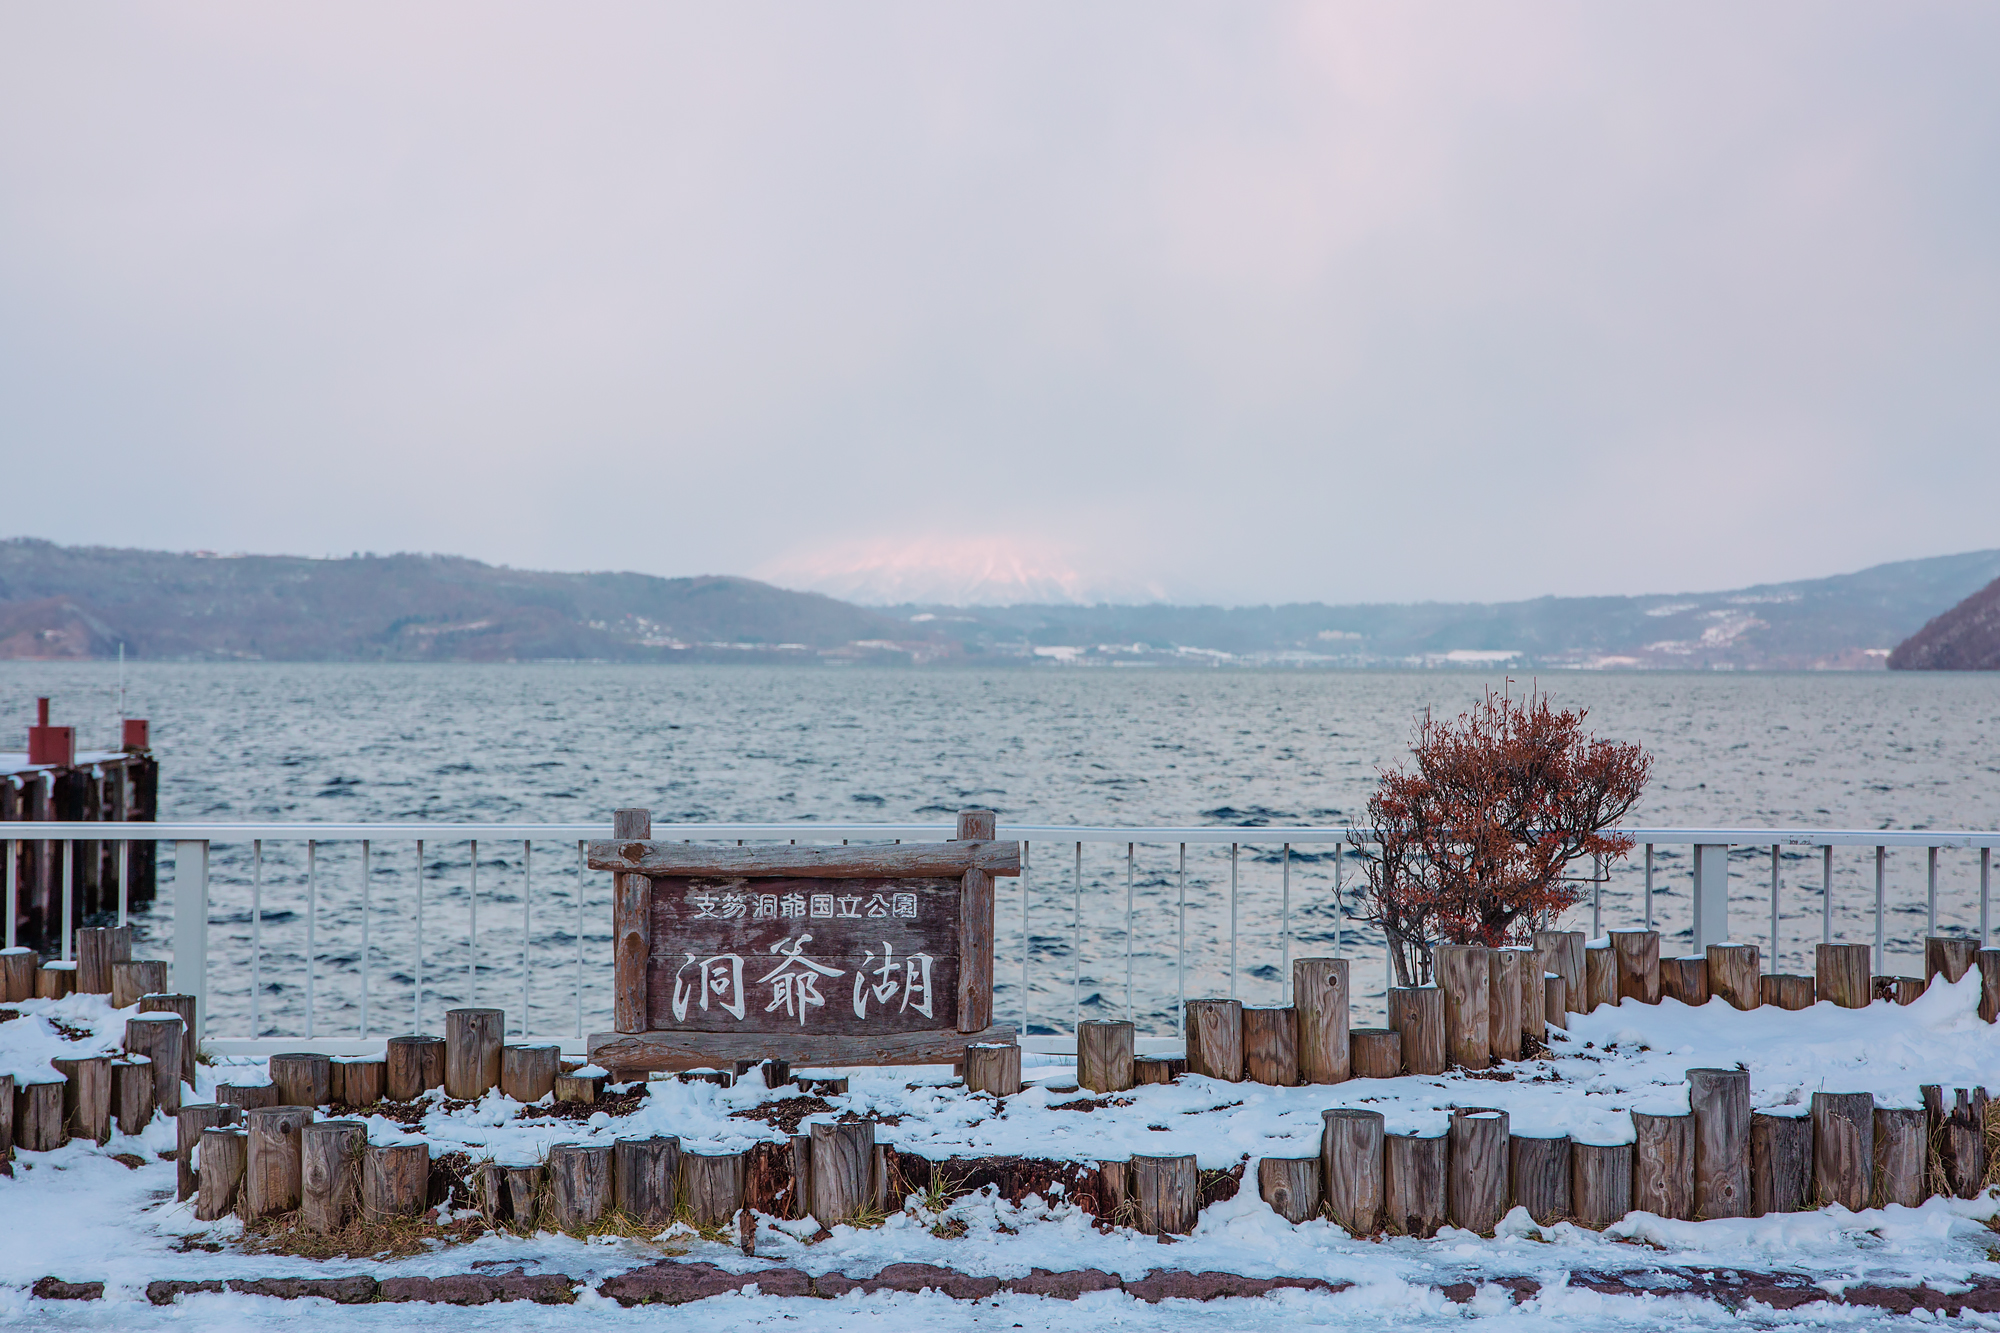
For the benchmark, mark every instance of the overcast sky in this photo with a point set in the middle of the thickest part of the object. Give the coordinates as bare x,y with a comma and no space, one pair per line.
1237,301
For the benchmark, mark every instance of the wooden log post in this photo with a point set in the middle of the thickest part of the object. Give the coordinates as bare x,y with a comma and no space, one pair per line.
17,974
271,1175
302,1078
1719,1100
1476,1184
1733,974
1165,1195
1781,1163
1214,1040
86,1095
1503,1004
1901,1156
134,978
39,1122
1949,955
580,1088
1988,962
1320,996
97,948
55,981
975,928
1271,1046
1663,1165
1556,1001
1600,977
395,1180
182,1007
1685,979
163,1040
1464,974
1842,975
194,1119
524,1189
1638,964
1157,1068
528,1072
472,1040
412,1066
1534,995
1540,1170
1417,1014
843,1156
1375,1053
1784,991
132,1102
1351,1166
1600,1183
1289,1184
1104,1054
994,1067
330,1173
1844,1149
631,927
246,1096
1414,1167
645,1178
1958,1138
223,1158
712,1187
1564,949
801,1197
579,1184
358,1082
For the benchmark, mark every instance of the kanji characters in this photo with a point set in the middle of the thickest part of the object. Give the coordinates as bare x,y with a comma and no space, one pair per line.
795,982
720,975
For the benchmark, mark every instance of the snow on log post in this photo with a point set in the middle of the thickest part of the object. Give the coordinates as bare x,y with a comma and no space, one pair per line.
1271,1046
1464,974
302,1078
711,1187
330,1173
1375,1053
1291,1186
645,1178
994,1067
271,1174
1781,1163
1841,974
1783,991
1540,1170
1949,954
1214,1039
472,1052
86,1095
1556,1000
17,974
1638,964
54,981
528,1073
1413,1189
1476,1187
1719,1100
39,1123
523,1186
1351,1162
1600,1183
224,1156
395,1180
97,948
357,1083
1534,996
163,1039
1320,995
1957,1137
1988,962
1165,1195
1844,1148
1503,1004
182,1007
1733,974
132,1103
194,1119
1565,959
843,1157
580,1184
413,1066
1417,1014
1684,979
1600,977
1104,1054
134,978
1663,1165
1901,1156
247,1096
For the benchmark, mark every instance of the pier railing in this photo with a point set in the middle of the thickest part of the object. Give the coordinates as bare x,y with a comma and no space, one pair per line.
352,962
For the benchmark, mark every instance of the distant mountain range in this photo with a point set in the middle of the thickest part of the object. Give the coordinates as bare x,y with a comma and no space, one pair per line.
1965,638
84,602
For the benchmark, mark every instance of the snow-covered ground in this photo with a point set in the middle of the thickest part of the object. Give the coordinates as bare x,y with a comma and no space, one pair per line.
80,1214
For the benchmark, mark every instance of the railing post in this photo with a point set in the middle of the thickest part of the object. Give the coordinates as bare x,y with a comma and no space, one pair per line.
1180,955
1881,877
1930,926
1076,942
1711,895
1024,937
68,902
1649,886
1285,934
191,928
527,924
312,915
1774,909
366,868
13,892
1232,919
1985,891
1826,894
1130,849
256,933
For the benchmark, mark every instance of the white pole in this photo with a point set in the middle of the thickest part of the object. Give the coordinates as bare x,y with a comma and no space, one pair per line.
1232,920
1285,934
527,928
256,933
13,892
365,867
1024,938
1129,849
191,927
417,968
312,912
1881,874
472,927
69,901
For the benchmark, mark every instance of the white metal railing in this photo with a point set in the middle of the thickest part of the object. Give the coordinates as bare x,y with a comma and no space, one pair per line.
193,902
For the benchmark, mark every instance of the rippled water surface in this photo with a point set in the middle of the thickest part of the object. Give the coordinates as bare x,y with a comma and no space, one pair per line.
572,742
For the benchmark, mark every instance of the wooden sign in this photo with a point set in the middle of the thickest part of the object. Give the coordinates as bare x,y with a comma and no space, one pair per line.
818,955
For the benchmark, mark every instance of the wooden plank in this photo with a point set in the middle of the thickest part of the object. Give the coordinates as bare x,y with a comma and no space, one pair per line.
975,951
631,928
908,860
633,1053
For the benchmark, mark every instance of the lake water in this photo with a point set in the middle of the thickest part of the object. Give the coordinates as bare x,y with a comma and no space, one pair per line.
572,742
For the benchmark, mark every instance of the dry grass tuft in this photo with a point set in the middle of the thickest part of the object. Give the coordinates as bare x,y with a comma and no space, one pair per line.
390,1238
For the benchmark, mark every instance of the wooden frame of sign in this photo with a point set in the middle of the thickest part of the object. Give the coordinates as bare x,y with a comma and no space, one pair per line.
851,955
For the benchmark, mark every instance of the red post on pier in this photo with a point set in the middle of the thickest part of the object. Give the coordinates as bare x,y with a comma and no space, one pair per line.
47,744
135,735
